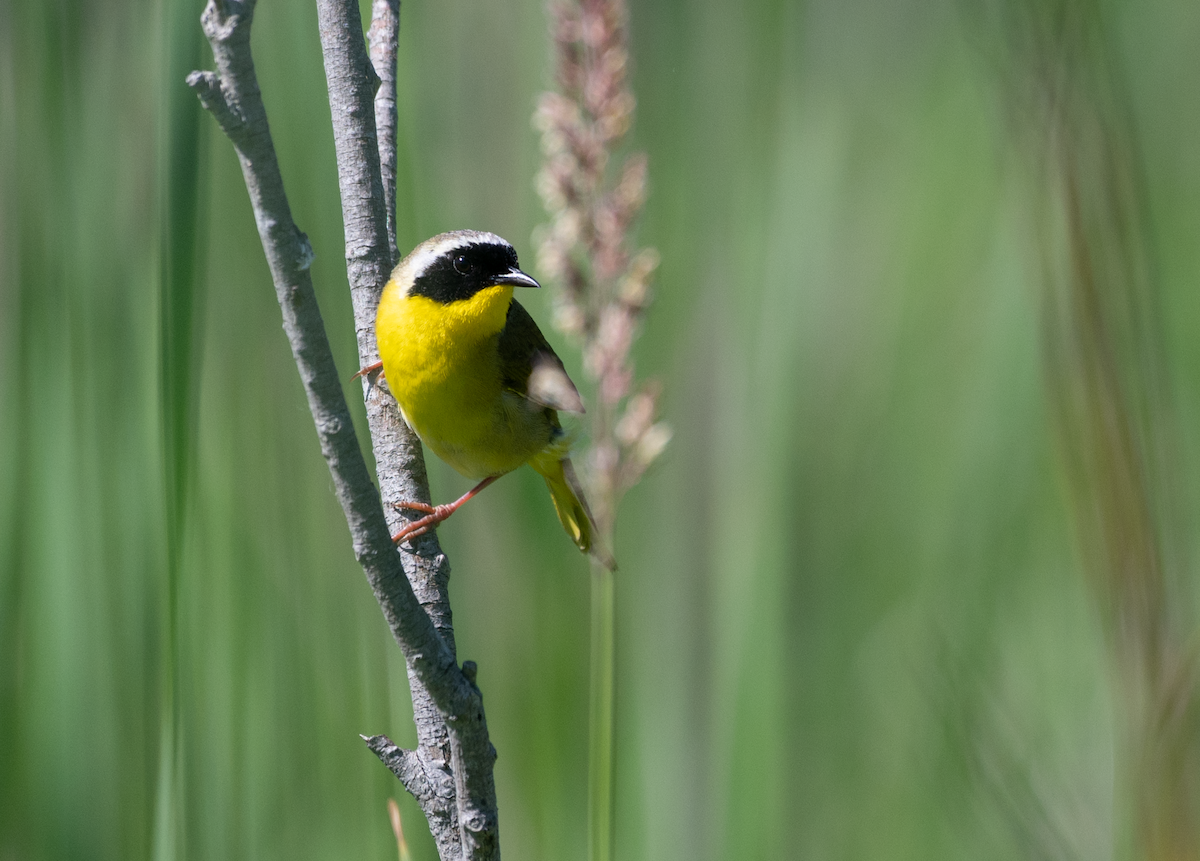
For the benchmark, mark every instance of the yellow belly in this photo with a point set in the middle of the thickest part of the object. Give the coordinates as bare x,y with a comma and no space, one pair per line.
442,366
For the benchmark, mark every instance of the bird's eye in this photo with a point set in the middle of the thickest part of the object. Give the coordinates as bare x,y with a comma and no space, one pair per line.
462,265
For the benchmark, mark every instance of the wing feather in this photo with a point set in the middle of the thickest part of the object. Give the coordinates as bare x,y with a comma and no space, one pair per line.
529,366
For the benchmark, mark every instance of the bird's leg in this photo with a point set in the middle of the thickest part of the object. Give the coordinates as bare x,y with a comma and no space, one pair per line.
435,514
369,369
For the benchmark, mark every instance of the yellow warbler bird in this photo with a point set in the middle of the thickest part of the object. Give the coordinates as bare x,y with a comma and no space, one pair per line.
474,376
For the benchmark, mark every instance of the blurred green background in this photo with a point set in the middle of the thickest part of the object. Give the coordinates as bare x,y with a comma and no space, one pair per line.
853,619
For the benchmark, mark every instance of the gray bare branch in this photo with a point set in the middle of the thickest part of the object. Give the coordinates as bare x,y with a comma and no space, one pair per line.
464,819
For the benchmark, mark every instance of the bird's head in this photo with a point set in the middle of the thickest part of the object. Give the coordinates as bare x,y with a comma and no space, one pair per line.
455,267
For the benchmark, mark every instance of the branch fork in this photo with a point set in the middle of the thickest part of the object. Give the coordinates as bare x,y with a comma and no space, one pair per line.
450,772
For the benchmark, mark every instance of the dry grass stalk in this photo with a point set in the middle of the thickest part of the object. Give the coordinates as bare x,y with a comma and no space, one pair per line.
587,248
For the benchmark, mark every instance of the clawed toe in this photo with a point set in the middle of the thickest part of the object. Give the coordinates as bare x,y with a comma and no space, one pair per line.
434,514
437,513
423,507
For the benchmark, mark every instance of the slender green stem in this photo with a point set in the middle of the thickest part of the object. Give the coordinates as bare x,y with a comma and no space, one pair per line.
181,214
600,726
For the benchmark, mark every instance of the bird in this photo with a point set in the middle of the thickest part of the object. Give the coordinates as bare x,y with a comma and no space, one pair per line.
475,378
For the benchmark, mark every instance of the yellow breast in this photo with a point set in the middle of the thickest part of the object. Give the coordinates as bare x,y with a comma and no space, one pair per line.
442,366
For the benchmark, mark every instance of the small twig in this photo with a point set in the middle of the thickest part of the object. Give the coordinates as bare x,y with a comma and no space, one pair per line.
384,36
232,95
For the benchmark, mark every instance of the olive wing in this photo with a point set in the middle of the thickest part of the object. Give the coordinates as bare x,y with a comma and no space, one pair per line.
529,366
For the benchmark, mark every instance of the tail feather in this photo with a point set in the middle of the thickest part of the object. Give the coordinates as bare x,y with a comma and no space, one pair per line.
571,506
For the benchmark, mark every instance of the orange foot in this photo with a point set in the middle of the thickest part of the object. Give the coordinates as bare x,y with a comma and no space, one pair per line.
434,514
369,369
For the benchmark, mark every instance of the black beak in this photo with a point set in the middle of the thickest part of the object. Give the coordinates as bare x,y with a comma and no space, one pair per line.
516,278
